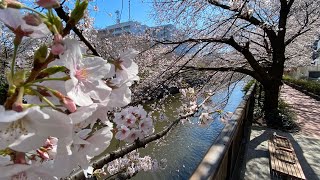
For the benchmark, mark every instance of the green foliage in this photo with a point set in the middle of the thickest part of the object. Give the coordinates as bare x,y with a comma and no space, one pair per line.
51,70
311,86
248,85
40,54
78,11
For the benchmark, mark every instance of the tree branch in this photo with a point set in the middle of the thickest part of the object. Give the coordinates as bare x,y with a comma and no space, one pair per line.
251,19
299,33
230,41
234,69
65,17
98,164
302,30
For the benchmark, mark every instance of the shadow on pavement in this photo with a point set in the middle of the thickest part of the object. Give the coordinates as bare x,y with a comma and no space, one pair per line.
256,161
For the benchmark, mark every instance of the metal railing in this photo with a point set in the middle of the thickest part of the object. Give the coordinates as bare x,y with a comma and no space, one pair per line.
220,161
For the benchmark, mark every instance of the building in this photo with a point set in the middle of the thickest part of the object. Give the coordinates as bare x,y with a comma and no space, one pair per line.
164,32
157,33
130,27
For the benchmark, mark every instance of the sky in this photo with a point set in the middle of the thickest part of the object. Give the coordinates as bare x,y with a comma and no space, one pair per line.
105,15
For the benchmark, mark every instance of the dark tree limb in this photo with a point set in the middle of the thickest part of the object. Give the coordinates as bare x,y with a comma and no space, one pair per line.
226,69
98,164
302,30
63,15
230,41
251,19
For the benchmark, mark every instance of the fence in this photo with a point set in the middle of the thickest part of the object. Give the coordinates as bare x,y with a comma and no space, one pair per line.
220,161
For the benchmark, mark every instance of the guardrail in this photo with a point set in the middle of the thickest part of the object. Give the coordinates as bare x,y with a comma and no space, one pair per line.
220,160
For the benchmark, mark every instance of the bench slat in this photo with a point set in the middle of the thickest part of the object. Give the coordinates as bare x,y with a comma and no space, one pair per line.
283,160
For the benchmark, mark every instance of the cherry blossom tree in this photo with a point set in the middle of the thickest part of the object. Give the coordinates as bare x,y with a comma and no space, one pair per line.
254,37
61,109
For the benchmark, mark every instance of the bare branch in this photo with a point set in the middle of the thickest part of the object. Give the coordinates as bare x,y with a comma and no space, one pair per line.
67,29
271,34
230,41
234,69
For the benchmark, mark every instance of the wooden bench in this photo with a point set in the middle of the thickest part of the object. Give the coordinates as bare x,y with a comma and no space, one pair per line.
283,160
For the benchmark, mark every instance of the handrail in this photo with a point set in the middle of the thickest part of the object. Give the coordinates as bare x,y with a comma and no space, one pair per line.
220,160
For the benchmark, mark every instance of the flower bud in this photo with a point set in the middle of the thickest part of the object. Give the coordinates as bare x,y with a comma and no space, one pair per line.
65,101
57,38
32,19
69,104
78,12
48,4
40,55
18,107
10,4
51,141
44,155
57,49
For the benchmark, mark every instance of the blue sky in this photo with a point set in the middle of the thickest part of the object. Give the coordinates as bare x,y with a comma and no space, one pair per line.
105,16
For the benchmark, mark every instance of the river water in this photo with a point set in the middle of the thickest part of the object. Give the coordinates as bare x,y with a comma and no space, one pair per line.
186,144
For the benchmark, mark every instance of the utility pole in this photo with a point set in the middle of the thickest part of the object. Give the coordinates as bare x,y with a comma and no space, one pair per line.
129,12
118,17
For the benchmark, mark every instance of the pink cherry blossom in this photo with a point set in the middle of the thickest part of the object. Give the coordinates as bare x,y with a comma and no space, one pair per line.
48,3
134,135
122,133
129,120
125,68
14,20
86,75
32,19
205,118
28,130
146,126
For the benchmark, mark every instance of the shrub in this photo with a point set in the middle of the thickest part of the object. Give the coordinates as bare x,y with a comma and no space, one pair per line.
311,86
248,85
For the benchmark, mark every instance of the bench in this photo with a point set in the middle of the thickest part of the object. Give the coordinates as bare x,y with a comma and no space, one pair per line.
283,160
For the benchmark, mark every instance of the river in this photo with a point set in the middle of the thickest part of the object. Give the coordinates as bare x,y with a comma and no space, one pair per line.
186,144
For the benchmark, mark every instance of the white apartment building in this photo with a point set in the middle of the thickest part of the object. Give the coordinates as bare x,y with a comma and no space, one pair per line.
160,33
164,32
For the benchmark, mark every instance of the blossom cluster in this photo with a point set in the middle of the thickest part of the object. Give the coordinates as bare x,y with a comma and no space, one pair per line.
206,112
133,123
131,164
55,118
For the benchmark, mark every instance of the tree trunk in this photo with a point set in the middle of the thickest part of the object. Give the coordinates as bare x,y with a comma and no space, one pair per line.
271,98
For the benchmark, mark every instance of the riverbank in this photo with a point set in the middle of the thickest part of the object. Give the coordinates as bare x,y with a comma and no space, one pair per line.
306,142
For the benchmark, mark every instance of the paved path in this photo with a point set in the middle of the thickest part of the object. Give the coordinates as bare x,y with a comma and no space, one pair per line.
306,108
306,142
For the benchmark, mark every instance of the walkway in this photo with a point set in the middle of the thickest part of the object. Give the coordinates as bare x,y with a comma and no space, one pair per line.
306,142
306,108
